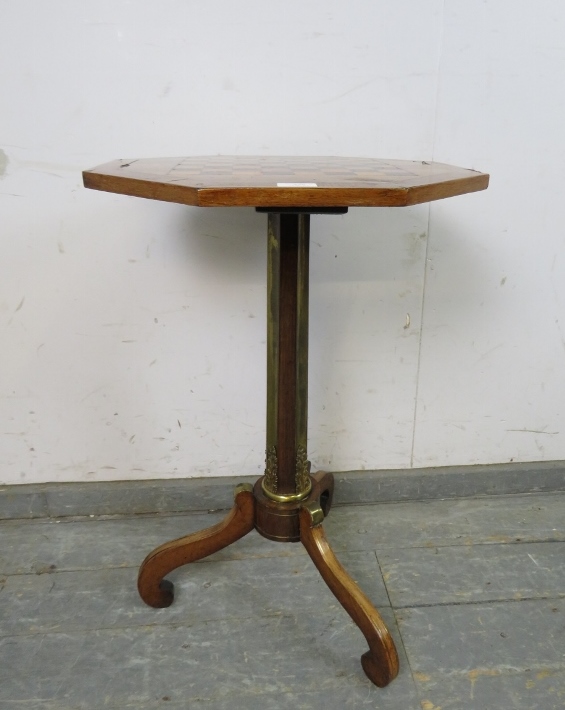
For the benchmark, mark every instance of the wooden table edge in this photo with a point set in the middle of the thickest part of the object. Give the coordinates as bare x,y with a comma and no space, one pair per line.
284,196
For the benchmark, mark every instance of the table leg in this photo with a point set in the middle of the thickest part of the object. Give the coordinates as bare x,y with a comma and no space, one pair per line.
380,662
157,591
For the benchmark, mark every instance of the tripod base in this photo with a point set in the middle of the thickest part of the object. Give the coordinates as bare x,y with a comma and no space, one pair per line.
284,522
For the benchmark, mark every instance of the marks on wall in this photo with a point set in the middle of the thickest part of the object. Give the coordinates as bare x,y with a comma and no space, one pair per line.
3,163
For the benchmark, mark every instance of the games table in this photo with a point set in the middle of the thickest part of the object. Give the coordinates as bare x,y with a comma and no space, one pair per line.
288,503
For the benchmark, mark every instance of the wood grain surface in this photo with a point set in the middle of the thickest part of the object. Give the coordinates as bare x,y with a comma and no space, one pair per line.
154,589
380,662
265,181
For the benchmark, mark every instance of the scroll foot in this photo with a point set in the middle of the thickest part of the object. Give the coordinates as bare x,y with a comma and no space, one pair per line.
380,662
159,592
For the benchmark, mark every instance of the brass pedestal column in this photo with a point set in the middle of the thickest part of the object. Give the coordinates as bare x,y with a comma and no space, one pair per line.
287,478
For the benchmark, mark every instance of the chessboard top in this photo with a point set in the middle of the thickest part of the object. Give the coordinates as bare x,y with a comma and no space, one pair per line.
265,181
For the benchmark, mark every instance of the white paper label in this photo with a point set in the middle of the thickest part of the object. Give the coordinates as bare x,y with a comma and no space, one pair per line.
296,184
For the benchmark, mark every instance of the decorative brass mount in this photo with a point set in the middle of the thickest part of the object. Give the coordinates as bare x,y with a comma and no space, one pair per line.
303,482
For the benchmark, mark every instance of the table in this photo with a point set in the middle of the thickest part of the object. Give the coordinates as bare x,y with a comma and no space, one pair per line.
288,503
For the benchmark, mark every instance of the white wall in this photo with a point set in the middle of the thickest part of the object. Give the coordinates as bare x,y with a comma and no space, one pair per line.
133,332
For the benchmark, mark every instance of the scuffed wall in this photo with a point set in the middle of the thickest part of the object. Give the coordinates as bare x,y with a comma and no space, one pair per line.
133,332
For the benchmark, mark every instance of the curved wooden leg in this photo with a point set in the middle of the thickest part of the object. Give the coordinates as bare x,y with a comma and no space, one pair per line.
380,662
157,591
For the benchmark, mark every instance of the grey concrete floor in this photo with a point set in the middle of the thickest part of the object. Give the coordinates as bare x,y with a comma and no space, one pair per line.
473,591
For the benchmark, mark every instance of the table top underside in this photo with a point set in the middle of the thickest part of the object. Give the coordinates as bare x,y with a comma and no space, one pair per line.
264,181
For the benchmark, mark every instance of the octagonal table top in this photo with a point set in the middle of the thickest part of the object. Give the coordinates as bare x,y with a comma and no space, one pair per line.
265,181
